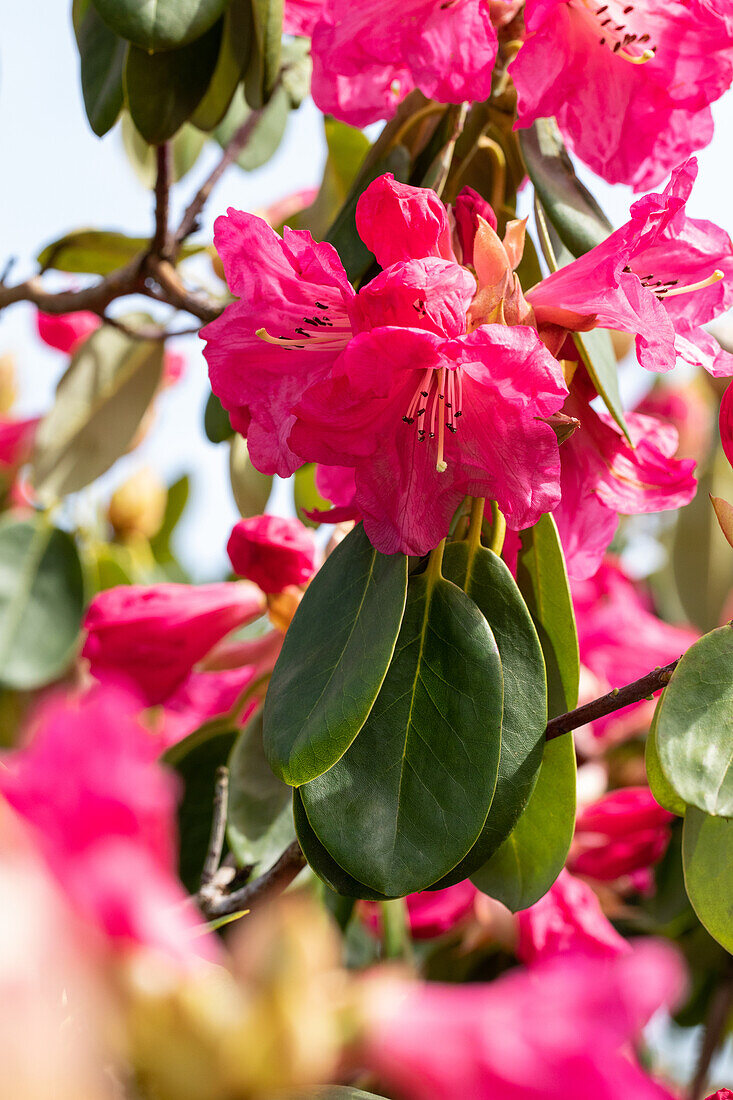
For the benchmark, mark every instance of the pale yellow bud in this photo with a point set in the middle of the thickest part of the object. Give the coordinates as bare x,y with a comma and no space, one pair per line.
138,506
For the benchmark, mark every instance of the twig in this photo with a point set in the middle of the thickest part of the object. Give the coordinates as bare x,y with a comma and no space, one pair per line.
147,332
175,292
721,1005
214,903
126,280
218,827
159,243
642,688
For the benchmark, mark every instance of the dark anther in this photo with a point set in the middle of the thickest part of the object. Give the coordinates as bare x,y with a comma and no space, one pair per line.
424,393
320,305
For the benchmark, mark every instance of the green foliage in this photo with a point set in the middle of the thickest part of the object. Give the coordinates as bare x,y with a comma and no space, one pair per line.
250,488
185,147
264,66
101,59
486,580
268,133
334,659
596,351
694,725
161,25
347,148
178,494
327,869
408,799
234,54
306,496
100,402
217,425
97,251
530,859
707,851
41,602
659,785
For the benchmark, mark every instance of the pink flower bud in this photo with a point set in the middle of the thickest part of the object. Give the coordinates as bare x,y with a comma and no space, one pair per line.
625,831
567,918
431,913
272,552
66,331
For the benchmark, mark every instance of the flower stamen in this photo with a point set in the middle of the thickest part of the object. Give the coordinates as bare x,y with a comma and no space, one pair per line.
619,40
711,280
442,390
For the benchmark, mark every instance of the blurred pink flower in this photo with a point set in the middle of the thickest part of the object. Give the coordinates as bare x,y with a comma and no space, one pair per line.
623,832
66,331
16,440
725,423
721,1094
273,552
201,697
431,913
561,1030
103,815
149,638
630,84
568,918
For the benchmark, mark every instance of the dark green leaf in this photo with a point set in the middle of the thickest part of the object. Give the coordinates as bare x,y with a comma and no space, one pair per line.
334,658
196,760
97,251
575,214
234,55
707,855
163,90
659,785
596,350
102,59
41,602
185,147
487,581
695,725
530,859
260,820
250,488
267,134
321,862
160,24
409,798
217,425
99,404
543,581
264,65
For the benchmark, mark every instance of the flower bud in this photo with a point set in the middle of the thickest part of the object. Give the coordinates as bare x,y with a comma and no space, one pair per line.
137,507
272,552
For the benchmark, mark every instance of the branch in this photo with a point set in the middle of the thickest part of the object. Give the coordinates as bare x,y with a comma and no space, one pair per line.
175,293
214,903
719,1011
643,688
127,280
159,243
218,827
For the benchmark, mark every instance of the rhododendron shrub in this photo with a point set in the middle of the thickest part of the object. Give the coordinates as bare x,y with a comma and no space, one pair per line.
417,782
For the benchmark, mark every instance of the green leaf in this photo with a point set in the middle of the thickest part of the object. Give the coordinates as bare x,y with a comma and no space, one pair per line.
707,856
659,785
196,760
99,404
250,488
695,725
264,66
185,146
102,59
327,869
306,496
109,565
488,582
234,55
97,251
347,148
334,658
533,855
409,798
543,581
575,214
41,602
217,425
175,504
160,24
267,134
162,90
596,350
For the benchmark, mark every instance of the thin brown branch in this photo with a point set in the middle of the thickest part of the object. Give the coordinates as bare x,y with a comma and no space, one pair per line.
147,332
218,827
126,280
160,242
643,688
214,903
721,1006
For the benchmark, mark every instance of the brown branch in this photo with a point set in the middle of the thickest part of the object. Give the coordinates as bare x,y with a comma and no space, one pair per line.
719,1010
175,292
642,688
214,903
147,332
218,827
159,244
126,280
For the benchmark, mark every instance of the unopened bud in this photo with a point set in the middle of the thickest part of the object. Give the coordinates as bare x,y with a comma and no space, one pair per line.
138,506
8,388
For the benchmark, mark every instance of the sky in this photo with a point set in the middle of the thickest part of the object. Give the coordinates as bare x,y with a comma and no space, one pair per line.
58,176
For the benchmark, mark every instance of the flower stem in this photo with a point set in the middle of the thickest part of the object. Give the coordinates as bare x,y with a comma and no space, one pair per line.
477,518
395,936
498,528
434,570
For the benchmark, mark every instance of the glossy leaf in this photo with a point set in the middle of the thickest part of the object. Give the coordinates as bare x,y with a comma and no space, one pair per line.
185,148
267,134
161,24
97,251
196,760
250,487
707,857
264,66
533,855
234,54
334,658
596,350
695,725
409,798
327,869
488,582
41,602
99,404
543,581
575,214
102,59
260,819
162,90
659,785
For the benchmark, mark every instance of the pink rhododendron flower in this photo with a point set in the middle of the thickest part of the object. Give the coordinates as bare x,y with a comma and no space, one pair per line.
721,1094
619,635
202,697
623,832
337,484
151,637
629,84
431,913
103,814
174,364
66,331
558,1031
725,423
604,475
368,56
273,552
568,918
16,440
